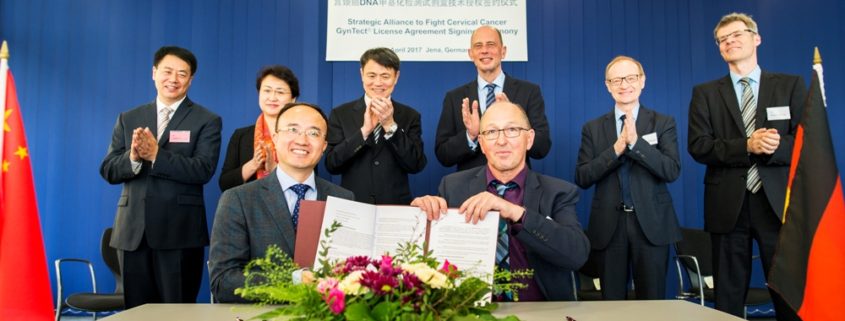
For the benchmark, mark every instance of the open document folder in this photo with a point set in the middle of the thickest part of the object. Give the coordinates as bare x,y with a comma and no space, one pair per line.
372,230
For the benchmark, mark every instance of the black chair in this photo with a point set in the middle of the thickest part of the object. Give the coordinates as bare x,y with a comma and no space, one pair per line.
588,277
93,302
695,256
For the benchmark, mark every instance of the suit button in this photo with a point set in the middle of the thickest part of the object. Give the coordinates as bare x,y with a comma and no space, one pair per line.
377,163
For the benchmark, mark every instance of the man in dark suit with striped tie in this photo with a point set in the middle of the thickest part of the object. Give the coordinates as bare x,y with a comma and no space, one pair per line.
163,153
456,141
742,127
538,226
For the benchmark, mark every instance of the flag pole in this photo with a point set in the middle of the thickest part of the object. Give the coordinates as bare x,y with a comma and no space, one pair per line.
4,72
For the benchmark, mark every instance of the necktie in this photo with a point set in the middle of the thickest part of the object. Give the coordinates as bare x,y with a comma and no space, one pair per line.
377,133
300,190
491,95
163,119
624,174
502,257
749,112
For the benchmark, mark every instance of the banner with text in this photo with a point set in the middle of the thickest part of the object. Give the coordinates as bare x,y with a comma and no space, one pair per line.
421,30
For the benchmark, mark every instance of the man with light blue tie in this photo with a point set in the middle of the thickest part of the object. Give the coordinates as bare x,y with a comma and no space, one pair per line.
456,140
255,215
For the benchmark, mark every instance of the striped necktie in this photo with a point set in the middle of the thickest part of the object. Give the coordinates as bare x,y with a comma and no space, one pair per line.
377,133
749,112
163,120
491,95
502,243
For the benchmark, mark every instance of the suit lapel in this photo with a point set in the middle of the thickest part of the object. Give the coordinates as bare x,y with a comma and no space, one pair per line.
181,112
609,128
645,121
726,89
150,118
533,193
766,95
277,207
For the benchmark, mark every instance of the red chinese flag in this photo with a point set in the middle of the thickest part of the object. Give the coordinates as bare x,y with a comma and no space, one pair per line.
808,269
24,282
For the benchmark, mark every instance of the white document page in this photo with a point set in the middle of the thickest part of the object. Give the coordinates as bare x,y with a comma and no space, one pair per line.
471,247
397,225
355,236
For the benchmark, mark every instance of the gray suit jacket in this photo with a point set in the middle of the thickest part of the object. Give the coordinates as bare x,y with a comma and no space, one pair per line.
249,218
554,241
653,167
165,201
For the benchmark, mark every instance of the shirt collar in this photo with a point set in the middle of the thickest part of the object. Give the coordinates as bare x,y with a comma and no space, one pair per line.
368,100
519,179
286,181
618,113
754,75
160,105
499,81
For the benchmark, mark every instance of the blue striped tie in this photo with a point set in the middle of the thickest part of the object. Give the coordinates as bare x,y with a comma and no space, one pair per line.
300,190
502,254
491,95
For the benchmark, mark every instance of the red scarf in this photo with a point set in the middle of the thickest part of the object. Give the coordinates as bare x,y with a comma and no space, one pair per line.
263,136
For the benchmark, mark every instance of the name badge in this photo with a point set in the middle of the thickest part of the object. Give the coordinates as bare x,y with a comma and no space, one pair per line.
180,136
778,113
651,139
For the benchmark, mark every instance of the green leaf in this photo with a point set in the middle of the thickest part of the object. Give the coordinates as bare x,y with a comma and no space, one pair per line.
385,310
358,312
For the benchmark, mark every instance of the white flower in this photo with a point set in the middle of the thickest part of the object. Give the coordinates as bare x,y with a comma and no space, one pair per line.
428,275
351,284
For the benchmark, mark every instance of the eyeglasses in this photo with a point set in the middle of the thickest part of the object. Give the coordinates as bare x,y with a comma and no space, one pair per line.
733,35
630,79
311,133
510,132
271,92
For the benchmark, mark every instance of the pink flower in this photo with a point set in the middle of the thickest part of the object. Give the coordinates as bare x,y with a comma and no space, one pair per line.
356,263
386,266
327,284
449,269
379,283
335,300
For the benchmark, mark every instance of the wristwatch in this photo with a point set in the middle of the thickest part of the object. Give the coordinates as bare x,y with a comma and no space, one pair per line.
390,130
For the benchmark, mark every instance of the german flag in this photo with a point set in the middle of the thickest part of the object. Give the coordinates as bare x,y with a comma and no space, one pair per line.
808,269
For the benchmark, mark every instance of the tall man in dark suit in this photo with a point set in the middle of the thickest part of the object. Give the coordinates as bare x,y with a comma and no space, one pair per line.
252,216
375,141
742,127
538,227
456,141
630,154
163,153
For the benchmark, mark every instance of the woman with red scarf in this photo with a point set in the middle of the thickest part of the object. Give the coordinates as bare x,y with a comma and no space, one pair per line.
251,153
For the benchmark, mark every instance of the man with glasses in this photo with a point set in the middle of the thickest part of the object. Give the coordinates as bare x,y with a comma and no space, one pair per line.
538,226
630,154
742,127
456,141
252,216
376,141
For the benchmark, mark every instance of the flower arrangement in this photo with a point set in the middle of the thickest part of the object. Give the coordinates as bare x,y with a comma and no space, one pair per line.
410,285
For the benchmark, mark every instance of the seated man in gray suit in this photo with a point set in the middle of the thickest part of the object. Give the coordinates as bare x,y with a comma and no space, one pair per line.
538,226
252,216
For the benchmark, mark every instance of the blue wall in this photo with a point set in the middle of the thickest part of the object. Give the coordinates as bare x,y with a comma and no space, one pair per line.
79,63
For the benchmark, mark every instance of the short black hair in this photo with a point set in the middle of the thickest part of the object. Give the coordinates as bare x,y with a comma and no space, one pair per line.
382,56
181,53
295,104
281,72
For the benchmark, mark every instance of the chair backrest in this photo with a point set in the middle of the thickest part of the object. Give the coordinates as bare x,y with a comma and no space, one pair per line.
111,259
696,243
588,272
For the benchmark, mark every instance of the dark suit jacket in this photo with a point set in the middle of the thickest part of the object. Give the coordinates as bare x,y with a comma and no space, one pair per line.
717,139
239,151
376,173
249,218
165,201
554,242
653,167
450,143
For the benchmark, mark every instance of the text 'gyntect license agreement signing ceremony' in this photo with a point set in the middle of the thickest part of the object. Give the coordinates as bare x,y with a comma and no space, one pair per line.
421,30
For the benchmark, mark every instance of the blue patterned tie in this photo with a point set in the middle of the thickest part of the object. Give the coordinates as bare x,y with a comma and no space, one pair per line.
502,257
300,190
491,95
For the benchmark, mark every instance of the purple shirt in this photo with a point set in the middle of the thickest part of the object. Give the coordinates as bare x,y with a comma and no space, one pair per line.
518,260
